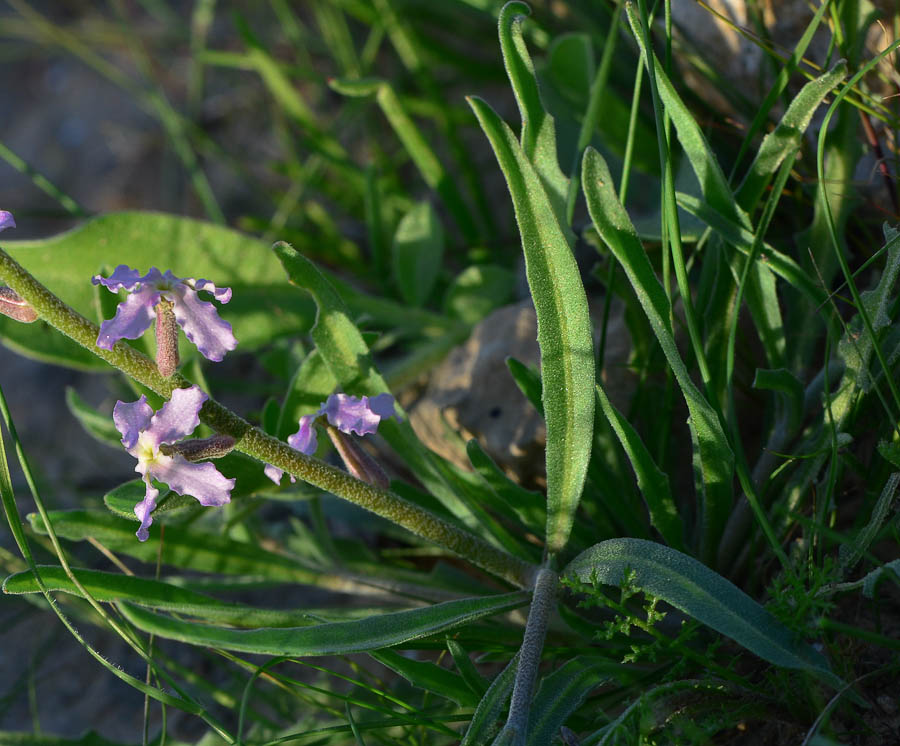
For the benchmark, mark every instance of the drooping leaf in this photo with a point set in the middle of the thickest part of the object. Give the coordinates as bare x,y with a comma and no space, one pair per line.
332,638
705,595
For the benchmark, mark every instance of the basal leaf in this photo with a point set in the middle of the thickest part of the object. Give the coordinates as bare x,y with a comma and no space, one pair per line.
559,695
565,333
333,638
715,459
696,590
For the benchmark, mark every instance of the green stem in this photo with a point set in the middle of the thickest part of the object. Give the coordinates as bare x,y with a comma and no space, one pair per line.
254,442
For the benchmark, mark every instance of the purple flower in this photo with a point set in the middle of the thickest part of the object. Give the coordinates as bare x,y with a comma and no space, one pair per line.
6,220
143,434
347,413
198,318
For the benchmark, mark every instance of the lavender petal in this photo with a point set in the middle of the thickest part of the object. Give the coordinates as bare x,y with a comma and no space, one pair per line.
6,220
202,325
143,510
130,418
133,317
201,481
178,418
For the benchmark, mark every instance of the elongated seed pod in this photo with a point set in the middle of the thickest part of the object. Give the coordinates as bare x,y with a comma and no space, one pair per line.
166,339
12,305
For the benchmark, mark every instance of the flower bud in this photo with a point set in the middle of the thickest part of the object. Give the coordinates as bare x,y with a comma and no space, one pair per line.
359,463
12,305
166,339
199,449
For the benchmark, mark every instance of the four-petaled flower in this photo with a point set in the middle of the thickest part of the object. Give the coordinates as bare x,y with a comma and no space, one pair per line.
198,318
346,413
143,434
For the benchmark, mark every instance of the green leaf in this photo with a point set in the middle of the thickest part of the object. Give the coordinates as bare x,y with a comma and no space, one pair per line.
417,252
788,386
484,720
652,481
185,547
696,590
850,556
333,638
714,456
356,87
263,305
559,695
528,381
98,425
428,676
122,499
565,332
474,680
538,136
477,291
787,136
107,586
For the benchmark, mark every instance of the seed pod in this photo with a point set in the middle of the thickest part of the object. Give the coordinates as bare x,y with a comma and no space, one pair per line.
199,449
166,339
12,305
359,463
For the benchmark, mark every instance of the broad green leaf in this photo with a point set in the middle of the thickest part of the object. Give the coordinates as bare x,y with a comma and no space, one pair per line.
652,481
428,676
417,253
484,721
787,136
696,590
333,638
477,291
107,586
559,695
565,332
538,136
263,305
714,456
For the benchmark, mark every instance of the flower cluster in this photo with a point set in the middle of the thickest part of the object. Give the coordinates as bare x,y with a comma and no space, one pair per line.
347,414
168,299
145,436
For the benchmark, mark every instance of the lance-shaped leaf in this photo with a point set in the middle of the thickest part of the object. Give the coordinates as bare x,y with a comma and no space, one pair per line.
713,453
696,590
333,638
564,328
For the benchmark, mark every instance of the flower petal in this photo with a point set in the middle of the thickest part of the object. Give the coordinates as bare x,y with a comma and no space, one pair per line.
143,510
133,317
201,324
178,418
130,418
305,440
273,473
124,278
361,416
223,295
6,220
201,481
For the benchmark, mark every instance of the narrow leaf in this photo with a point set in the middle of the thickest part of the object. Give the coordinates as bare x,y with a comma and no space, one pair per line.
484,721
428,676
714,456
565,333
560,694
333,638
417,253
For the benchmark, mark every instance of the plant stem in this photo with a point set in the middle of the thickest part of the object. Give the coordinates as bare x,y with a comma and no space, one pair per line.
542,603
254,442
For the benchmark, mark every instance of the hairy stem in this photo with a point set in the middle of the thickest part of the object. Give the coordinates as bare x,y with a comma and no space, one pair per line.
254,442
